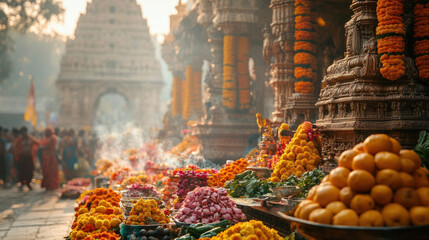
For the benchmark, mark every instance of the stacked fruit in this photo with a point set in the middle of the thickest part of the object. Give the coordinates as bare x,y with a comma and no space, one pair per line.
300,155
376,184
146,212
248,230
228,173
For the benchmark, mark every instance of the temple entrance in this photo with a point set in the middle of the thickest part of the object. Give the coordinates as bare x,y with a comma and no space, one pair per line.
111,109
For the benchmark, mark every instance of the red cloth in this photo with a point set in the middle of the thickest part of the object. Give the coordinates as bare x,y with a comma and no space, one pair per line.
51,179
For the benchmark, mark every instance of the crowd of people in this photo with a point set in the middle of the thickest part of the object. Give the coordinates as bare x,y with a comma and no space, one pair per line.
52,152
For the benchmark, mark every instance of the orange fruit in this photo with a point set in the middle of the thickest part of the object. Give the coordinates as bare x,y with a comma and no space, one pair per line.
387,160
407,180
346,195
371,218
377,143
390,178
346,158
312,193
321,215
305,211
360,181
336,206
381,194
407,165
419,215
395,214
347,217
364,161
359,147
300,206
410,154
362,203
396,146
326,194
424,195
407,197
338,176
421,177
325,178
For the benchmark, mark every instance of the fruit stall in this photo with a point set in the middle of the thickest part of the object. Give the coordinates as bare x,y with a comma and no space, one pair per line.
281,190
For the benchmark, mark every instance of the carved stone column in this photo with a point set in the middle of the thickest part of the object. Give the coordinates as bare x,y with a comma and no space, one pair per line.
223,135
357,101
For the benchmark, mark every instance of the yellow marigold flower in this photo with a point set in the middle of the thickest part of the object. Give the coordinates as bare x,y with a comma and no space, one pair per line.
91,220
282,163
300,156
315,151
247,229
115,222
106,223
303,136
82,210
306,154
275,179
103,229
304,162
229,232
283,156
311,145
258,232
298,150
284,177
300,168
310,167
290,164
303,143
98,224
310,162
298,162
283,171
291,156
252,237
235,236
100,209
80,234
298,173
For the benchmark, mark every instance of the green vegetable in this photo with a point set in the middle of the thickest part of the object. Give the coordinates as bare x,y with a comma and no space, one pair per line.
196,232
248,185
222,223
186,237
306,181
213,232
422,148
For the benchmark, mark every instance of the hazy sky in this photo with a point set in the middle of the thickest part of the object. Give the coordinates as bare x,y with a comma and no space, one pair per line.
157,13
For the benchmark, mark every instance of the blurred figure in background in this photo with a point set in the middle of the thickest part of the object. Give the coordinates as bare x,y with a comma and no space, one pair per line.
24,154
3,171
9,157
50,163
12,150
69,154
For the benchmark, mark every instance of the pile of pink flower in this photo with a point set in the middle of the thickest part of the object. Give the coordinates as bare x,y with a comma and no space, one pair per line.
208,205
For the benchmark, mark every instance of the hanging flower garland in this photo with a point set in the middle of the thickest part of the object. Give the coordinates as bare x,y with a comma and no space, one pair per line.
421,35
229,86
187,106
196,94
305,47
390,38
243,47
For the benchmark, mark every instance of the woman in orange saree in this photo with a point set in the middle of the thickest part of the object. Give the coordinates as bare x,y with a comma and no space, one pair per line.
50,163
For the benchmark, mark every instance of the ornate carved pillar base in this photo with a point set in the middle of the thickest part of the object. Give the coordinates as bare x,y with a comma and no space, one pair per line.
360,104
225,140
300,107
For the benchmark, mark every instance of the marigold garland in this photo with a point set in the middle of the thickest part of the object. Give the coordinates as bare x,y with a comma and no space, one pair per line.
421,35
390,38
243,47
229,86
187,105
305,47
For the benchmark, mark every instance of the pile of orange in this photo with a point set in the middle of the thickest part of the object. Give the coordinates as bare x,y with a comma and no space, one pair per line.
376,184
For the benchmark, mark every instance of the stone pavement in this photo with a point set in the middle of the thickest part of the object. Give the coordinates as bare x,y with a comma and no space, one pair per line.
34,215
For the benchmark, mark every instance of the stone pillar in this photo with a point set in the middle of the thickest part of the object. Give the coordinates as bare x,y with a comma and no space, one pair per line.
356,101
224,134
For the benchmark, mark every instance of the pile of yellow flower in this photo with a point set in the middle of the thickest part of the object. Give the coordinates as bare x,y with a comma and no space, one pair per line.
100,219
146,212
300,155
251,230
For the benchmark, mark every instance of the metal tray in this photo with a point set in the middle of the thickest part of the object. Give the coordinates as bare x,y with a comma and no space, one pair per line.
319,231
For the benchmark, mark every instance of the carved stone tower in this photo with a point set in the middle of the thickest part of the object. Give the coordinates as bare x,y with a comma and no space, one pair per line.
112,52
